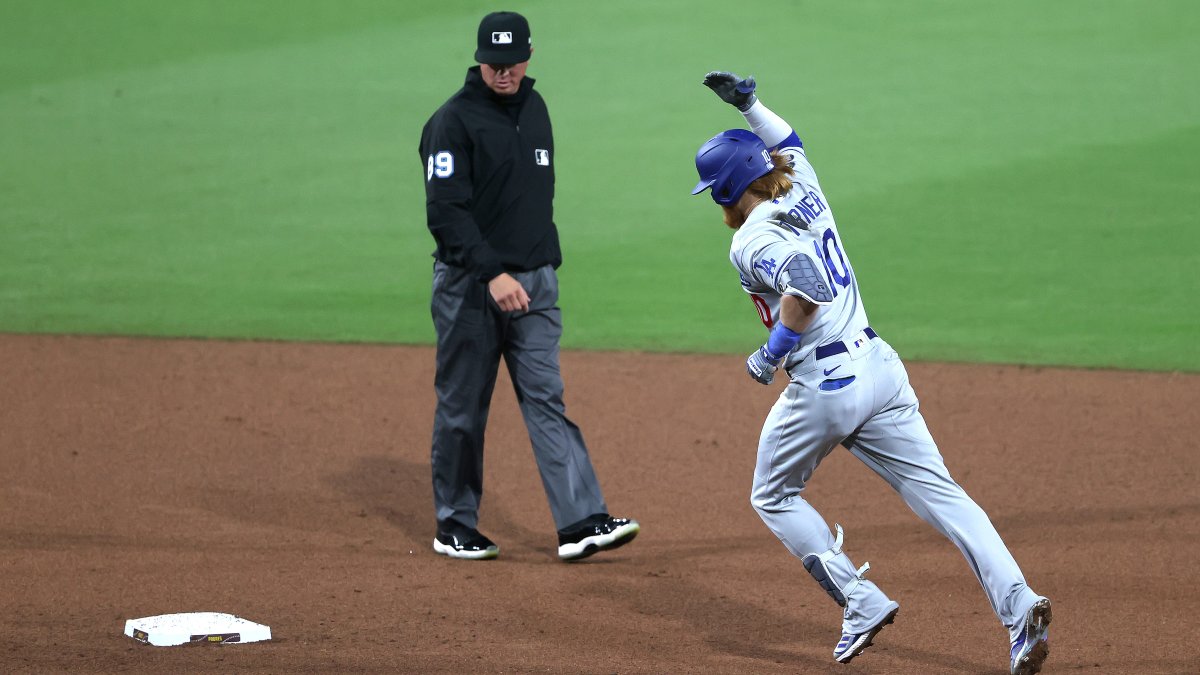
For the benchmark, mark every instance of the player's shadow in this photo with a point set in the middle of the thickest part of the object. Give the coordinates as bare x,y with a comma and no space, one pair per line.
770,638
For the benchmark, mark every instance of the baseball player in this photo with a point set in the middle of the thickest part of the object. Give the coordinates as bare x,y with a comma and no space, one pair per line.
846,385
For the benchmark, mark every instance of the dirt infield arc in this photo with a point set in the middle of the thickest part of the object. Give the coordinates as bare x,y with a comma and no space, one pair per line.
289,483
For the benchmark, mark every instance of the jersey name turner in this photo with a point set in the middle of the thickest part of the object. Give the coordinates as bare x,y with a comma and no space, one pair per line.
799,223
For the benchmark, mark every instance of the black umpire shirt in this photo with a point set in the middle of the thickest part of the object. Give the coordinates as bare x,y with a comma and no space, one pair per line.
489,180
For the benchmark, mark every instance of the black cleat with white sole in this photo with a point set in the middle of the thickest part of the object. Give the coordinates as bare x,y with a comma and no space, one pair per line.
601,532
464,543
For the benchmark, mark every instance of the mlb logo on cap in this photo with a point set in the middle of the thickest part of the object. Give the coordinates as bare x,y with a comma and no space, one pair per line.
503,38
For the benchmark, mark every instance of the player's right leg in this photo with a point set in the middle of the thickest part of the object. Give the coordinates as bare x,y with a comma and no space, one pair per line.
897,445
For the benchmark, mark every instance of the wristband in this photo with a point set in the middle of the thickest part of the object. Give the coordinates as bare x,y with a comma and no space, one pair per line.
782,341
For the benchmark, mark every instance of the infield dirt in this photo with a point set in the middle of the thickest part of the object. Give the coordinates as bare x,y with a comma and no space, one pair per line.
289,484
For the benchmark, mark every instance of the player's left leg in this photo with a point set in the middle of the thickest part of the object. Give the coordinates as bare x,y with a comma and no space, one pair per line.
897,445
531,354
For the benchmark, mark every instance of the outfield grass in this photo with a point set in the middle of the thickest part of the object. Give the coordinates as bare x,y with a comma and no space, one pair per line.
1014,183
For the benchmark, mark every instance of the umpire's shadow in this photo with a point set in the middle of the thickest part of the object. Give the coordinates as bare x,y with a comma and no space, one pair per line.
401,493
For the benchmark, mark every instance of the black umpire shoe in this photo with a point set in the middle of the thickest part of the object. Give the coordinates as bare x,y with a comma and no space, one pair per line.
601,532
465,543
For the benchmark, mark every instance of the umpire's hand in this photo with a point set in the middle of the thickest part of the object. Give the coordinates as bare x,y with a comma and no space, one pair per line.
509,293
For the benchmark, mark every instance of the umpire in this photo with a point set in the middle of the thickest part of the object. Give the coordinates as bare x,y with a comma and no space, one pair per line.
489,187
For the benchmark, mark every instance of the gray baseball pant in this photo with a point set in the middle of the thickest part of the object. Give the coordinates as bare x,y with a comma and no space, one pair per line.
876,417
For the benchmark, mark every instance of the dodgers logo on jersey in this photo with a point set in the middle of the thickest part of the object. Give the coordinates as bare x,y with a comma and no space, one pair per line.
767,265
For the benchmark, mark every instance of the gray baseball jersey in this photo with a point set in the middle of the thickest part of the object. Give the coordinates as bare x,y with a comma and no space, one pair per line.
847,386
791,247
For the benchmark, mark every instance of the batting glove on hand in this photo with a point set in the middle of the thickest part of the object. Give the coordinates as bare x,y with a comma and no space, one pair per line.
762,365
732,89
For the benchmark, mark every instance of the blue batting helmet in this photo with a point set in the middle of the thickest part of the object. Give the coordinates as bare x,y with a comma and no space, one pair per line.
729,162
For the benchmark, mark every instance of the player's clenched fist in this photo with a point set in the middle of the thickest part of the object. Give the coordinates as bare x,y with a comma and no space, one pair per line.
509,293
732,89
762,365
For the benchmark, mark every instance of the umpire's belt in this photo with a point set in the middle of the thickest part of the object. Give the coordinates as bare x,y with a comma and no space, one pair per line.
839,347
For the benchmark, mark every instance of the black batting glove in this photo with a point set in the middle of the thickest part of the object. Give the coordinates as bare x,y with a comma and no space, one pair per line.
732,89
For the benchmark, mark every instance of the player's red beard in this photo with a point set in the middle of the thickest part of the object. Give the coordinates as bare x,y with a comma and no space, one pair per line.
733,218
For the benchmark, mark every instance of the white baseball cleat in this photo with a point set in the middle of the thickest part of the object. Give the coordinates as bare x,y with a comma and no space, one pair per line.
853,644
1032,646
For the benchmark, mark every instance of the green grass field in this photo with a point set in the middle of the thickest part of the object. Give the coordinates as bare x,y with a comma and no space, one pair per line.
1015,182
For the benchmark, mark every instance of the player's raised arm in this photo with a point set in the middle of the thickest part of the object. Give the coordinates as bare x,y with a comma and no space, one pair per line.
739,92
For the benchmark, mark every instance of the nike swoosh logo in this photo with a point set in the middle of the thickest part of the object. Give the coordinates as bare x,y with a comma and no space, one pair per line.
830,371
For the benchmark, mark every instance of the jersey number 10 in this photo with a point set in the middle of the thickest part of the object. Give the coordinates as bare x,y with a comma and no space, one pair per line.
837,269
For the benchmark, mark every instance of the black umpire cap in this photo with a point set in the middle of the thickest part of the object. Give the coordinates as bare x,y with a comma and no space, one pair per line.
503,39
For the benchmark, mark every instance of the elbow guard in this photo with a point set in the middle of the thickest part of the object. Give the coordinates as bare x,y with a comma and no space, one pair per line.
800,276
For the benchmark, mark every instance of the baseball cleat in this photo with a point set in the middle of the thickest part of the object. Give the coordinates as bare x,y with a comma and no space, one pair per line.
600,533
853,644
465,544
1032,646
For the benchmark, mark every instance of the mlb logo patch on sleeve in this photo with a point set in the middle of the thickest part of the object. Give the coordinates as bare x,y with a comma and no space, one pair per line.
542,157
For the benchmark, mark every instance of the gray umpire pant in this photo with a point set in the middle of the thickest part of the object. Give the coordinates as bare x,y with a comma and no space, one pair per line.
472,335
